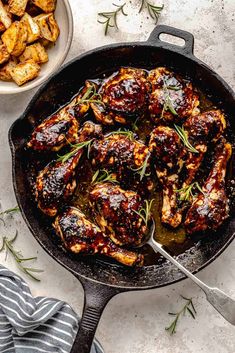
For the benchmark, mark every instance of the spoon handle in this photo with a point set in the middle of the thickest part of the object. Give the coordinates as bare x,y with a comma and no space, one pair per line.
220,301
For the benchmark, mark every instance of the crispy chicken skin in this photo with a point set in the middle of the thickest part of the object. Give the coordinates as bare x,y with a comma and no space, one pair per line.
56,182
210,208
168,86
61,128
201,129
124,97
80,236
115,213
168,155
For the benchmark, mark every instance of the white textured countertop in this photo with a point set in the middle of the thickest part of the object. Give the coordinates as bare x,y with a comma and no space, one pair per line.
135,322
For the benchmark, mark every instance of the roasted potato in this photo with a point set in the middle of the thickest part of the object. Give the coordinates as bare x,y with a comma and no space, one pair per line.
15,38
48,26
5,17
2,27
46,5
5,71
32,28
25,72
35,52
4,55
17,7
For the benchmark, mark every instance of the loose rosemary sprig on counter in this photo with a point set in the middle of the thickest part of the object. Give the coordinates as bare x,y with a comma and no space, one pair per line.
187,308
102,176
184,138
187,192
153,10
110,18
145,211
7,245
76,147
10,210
142,169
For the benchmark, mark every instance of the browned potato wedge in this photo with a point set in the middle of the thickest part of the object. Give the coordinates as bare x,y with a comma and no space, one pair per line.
15,38
5,18
35,52
2,27
4,55
32,28
17,7
25,72
46,5
5,71
48,26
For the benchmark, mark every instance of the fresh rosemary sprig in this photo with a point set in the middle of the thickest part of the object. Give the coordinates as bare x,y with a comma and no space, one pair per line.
110,18
76,147
102,176
128,133
90,96
145,211
134,124
168,105
7,245
187,192
10,210
153,10
184,138
187,308
142,169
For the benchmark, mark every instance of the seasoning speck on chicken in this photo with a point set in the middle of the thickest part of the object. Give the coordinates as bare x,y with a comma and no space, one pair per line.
116,213
171,98
124,97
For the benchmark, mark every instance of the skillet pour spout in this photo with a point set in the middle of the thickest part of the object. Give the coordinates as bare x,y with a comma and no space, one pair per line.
102,280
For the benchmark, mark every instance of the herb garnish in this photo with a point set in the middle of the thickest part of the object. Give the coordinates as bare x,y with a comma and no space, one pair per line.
76,147
153,10
110,18
102,176
187,308
145,211
10,210
90,96
186,192
142,169
7,245
184,138
168,105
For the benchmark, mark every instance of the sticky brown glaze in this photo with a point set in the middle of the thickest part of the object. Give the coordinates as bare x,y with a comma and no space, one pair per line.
210,208
123,156
115,213
80,236
183,98
168,155
61,128
201,129
56,182
124,97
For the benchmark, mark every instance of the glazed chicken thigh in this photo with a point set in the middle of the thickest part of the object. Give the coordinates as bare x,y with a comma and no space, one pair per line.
210,208
171,96
124,97
201,130
80,236
61,128
168,154
115,213
56,182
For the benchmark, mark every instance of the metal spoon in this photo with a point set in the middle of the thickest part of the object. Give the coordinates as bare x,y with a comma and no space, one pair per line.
220,301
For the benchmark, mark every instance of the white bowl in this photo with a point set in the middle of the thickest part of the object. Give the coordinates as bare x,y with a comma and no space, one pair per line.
57,53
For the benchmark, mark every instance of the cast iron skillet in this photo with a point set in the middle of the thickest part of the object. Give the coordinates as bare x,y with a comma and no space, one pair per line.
101,281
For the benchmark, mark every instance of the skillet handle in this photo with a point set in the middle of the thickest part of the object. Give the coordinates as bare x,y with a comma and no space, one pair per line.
186,49
96,298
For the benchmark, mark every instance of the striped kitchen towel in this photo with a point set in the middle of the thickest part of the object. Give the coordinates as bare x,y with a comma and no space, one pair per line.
30,324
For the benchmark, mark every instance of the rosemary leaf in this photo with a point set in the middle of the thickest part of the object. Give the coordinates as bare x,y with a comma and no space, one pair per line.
186,193
10,210
102,176
184,138
128,133
145,211
142,169
76,148
153,10
188,307
109,19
